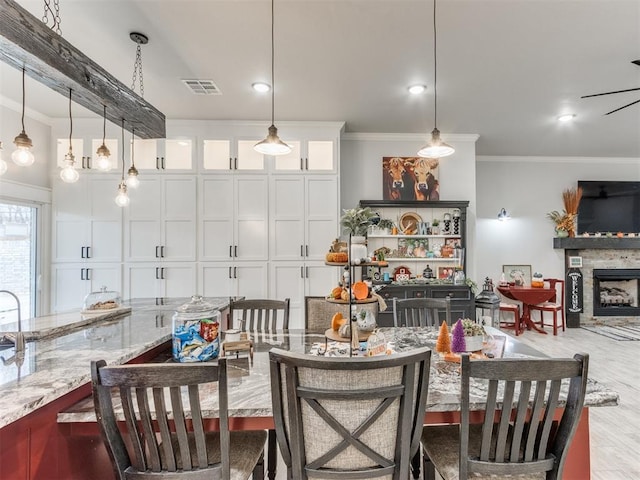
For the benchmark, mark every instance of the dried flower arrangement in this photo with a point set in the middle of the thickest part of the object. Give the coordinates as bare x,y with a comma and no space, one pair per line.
566,221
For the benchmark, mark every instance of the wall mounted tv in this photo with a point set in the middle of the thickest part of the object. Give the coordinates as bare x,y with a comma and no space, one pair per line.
609,207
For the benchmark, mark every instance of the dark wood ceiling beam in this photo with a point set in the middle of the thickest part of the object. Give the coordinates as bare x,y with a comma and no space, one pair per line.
27,42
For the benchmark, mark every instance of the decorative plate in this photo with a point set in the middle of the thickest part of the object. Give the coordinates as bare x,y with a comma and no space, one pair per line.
409,222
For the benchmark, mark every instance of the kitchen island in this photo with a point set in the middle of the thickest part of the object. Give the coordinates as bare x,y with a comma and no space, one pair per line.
58,372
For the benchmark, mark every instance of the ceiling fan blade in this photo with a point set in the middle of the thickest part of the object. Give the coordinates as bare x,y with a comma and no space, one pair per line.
617,109
611,93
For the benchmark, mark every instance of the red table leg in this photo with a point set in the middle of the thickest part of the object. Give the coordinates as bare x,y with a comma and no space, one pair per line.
526,319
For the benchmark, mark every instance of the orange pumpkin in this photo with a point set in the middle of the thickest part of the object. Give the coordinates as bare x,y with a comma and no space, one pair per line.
337,321
336,292
360,290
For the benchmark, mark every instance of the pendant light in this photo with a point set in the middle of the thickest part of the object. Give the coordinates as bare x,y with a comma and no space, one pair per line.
132,174
122,199
436,148
272,145
69,174
3,164
22,155
103,163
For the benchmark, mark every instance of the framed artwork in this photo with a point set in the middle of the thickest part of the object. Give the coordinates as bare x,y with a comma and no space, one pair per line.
445,273
453,242
517,274
575,262
410,178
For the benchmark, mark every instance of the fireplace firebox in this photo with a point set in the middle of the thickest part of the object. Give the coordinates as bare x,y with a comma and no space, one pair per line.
616,291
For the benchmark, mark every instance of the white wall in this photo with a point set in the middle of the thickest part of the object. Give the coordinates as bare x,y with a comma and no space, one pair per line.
361,172
528,188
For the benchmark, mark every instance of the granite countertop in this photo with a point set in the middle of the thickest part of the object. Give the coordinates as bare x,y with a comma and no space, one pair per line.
58,362
249,383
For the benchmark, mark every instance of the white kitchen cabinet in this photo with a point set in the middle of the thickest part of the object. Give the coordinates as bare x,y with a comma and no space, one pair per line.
71,282
171,154
303,216
222,279
161,220
85,152
295,280
162,279
87,224
233,212
308,156
231,155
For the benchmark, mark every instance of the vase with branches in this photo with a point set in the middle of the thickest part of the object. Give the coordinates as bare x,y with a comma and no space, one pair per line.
566,220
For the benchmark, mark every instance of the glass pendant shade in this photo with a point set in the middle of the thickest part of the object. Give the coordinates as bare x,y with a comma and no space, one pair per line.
122,199
272,145
436,148
104,162
132,178
22,155
69,174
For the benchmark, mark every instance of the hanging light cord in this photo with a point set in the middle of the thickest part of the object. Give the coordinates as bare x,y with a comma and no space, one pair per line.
122,149
273,87
133,147
70,121
23,95
104,123
435,69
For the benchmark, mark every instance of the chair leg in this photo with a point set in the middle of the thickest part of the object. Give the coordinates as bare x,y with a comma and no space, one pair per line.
272,455
555,322
415,464
428,468
258,470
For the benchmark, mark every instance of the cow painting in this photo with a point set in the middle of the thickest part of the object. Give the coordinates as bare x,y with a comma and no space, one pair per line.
410,178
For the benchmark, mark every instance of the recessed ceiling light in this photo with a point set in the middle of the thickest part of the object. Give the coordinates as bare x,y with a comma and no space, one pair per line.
261,87
417,89
567,117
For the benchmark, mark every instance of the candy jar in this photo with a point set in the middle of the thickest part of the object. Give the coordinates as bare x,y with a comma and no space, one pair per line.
195,331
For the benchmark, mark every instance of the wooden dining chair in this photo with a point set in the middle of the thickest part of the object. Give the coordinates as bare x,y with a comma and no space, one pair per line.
162,440
259,314
511,309
420,312
349,417
555,306
530,439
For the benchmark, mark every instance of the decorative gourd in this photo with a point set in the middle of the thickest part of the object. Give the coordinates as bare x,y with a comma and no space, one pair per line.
360,290
337,321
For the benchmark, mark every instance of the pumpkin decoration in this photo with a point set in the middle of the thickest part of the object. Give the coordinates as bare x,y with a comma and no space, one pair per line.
337,257
336,292
360,290
337,321
344,295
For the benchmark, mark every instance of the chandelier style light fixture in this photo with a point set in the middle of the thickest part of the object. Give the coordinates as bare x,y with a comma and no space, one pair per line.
436,148
69,174
23,155
3,164
132,174
104,162
122,199
272,145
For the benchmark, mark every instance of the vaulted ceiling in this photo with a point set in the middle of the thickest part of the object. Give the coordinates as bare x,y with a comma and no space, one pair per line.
506,68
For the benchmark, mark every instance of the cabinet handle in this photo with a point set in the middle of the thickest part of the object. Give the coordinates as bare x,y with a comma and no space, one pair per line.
88,252
157,163
89,163
230,253
82,274
235,272
306,164
83,162
82,252
301,272
230,163
162,273
306,249
306,271
162,164
87,276
301,163
230,273
157,276
235,161
235,251
157,247
162,251
301,250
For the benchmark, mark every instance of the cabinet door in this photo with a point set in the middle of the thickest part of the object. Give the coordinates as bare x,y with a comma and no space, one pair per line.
320,279
177,155
251,208
179,280
215,279
146,154
321,156
216,155
109,276
144,221
105,221
286,280
70,213
179,222
291,162
321,216
246,157
143,281
251,279
287,208
217,219
69,287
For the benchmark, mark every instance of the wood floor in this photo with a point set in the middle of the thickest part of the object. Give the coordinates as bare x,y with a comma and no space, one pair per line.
615,431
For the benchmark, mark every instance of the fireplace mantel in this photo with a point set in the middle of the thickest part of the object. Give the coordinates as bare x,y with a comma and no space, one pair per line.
585,243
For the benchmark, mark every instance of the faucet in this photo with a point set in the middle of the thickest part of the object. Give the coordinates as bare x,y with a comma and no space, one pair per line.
16,340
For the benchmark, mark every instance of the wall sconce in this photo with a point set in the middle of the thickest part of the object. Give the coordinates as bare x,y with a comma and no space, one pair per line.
503,216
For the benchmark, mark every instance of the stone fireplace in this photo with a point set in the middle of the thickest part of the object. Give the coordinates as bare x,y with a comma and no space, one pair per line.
608,265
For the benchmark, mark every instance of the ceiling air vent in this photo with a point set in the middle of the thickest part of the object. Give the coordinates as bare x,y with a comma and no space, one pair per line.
202,87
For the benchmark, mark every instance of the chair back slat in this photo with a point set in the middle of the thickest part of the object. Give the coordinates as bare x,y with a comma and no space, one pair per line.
420,312
259,315
164,442
524,437
348,418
